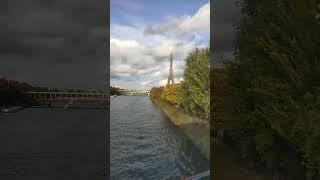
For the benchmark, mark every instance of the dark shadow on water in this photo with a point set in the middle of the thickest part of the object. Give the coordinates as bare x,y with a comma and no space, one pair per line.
40,144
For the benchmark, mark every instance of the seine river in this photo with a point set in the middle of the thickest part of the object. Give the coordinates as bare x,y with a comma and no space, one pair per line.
146,145
57,144
64,144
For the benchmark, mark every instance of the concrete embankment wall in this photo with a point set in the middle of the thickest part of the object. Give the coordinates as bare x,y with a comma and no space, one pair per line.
197,132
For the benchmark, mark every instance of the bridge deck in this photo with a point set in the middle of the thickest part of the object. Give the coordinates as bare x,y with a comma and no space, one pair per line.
71,107
68,95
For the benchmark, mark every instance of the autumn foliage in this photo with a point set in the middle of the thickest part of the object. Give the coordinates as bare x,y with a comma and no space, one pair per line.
172,94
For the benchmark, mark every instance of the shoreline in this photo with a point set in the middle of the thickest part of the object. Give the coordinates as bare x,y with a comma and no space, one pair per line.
196,131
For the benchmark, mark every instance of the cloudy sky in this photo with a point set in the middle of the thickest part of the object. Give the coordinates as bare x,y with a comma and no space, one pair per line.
63,43
55,43
144,32
226,15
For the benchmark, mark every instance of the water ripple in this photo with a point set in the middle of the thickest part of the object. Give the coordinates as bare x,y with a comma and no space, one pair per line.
146,145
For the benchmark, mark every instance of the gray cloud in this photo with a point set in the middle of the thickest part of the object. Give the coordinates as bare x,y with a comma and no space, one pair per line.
134,60
226,15
150,29
54,43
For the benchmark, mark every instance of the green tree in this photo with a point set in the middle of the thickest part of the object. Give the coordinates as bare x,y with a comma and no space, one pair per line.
156,92
115,91
274,80
12,93
196,84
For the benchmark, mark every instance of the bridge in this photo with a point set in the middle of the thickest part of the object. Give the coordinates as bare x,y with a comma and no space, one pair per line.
69,96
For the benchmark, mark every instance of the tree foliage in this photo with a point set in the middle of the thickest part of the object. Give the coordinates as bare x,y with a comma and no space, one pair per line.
12,92
218,96
115,91
275,85
156,92
196,84
172,93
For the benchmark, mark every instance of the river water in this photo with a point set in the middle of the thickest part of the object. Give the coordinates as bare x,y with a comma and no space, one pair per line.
57,144
64,144
146,145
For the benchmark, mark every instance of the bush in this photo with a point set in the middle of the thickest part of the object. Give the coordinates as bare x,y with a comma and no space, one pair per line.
172,94
156,92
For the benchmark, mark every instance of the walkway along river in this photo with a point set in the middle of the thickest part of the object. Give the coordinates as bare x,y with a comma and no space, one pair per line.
146,145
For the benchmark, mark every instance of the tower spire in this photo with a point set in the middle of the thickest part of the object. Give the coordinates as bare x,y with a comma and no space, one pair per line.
170,77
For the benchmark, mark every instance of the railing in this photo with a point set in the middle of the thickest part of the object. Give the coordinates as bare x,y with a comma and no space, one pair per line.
68,95
74,100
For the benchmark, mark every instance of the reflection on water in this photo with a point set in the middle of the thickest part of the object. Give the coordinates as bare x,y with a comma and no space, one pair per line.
146,145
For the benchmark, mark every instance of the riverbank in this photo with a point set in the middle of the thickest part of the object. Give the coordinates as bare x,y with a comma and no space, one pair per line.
196,131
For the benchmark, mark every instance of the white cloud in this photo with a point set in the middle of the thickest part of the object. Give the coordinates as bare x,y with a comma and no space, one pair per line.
124,31
140,60
199,22
163,82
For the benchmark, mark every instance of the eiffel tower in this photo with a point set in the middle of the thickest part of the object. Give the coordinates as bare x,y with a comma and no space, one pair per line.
170,77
